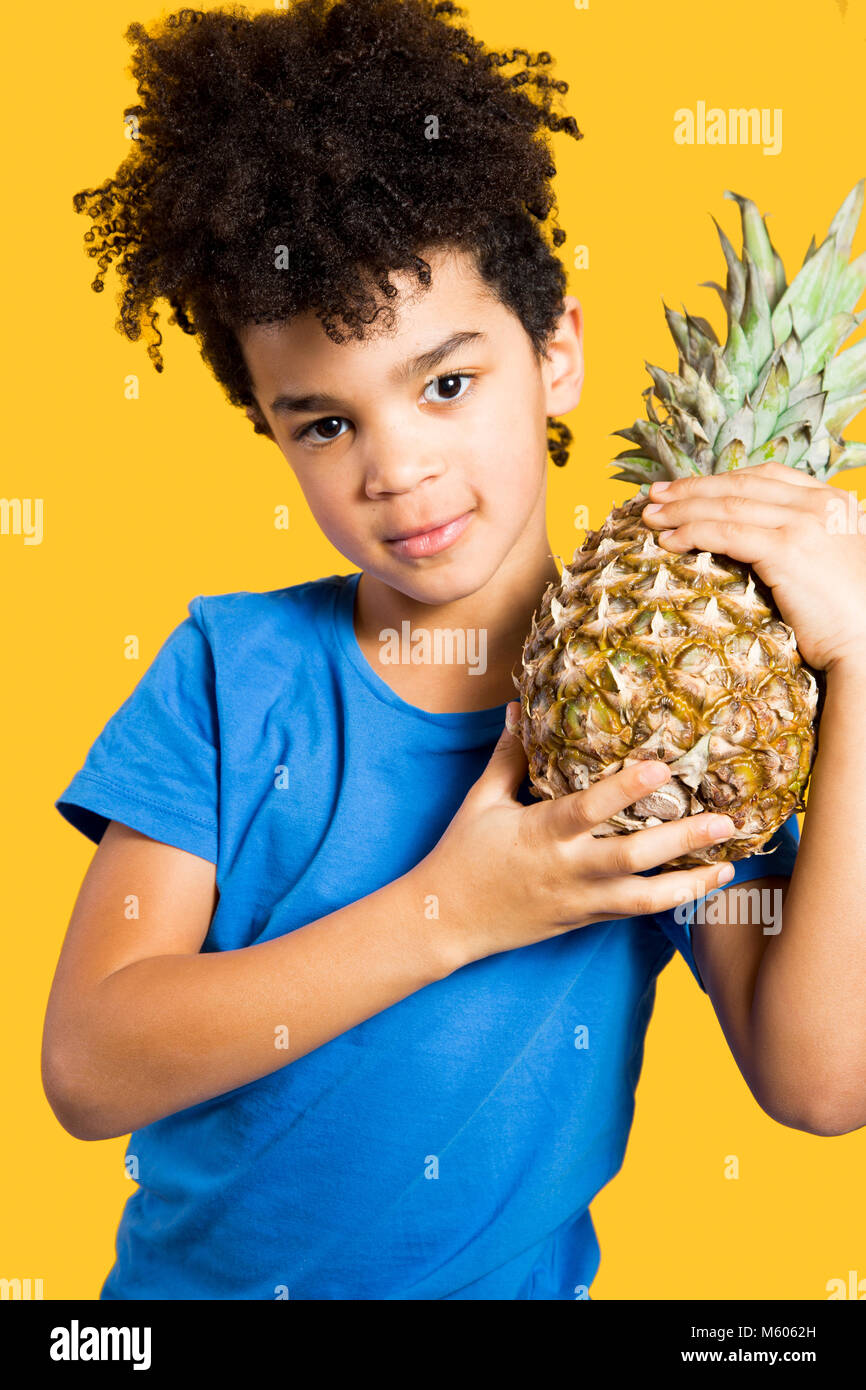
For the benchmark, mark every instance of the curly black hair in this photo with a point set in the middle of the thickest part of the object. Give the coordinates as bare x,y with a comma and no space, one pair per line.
287,161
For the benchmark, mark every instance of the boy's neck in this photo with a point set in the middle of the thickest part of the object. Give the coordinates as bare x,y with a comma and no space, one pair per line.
469,666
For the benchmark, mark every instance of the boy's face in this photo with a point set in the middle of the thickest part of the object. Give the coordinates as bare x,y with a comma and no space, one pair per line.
392,445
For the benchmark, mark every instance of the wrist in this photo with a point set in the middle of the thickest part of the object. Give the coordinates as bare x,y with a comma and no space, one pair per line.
850,666
429,917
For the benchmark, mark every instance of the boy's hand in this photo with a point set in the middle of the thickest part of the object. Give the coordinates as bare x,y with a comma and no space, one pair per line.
794,532
509,875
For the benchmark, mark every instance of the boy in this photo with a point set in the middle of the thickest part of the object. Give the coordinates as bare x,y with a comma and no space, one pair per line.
343,1030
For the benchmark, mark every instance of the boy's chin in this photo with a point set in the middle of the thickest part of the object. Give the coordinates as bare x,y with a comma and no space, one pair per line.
439,584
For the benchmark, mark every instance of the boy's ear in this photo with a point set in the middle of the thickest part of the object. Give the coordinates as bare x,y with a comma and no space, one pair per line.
563,363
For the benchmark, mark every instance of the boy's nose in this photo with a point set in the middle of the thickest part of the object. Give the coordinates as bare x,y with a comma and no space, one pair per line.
399,469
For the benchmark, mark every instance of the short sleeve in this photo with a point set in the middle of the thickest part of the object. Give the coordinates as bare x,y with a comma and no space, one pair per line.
775,860
155,765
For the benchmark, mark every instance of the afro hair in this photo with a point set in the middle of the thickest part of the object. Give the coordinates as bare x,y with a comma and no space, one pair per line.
287,161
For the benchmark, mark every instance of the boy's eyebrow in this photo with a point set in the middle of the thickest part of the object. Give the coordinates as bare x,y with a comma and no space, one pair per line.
286,403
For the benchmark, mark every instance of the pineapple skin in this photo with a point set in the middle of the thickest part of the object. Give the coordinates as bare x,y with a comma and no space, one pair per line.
640,652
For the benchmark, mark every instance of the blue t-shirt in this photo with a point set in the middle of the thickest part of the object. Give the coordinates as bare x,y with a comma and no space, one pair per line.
449,1146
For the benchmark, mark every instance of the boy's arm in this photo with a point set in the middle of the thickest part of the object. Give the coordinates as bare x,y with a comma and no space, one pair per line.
792,1004
141,1024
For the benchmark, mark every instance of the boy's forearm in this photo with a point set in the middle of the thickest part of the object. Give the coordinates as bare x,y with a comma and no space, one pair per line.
172,1031
809,1004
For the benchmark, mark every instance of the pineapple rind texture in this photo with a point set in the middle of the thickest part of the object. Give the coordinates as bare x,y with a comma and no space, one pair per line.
641,652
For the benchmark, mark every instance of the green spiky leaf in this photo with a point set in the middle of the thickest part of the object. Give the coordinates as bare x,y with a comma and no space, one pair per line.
804,294
779,388
757,243
838,414
739,359
825,340
771,404
847,372
853,455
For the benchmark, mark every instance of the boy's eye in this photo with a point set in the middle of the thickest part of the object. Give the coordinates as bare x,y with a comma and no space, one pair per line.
324,425
449,379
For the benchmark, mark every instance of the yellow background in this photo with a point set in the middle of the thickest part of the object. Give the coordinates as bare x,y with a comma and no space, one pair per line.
150,502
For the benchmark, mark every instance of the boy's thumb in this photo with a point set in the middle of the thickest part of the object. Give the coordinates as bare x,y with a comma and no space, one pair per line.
507,766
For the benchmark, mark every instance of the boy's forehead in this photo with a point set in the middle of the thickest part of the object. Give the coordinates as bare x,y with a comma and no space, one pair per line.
457,300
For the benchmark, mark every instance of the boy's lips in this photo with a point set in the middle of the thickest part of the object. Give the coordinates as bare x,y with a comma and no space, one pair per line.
432,540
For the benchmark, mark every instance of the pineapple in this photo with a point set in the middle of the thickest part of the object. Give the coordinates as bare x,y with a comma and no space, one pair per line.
640,652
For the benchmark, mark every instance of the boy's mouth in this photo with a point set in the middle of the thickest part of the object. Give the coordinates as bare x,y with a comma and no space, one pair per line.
431,541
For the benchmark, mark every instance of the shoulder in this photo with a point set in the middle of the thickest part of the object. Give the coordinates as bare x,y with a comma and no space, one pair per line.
239,615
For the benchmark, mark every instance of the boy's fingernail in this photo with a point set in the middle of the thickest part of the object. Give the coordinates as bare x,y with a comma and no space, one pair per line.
654,773
659,487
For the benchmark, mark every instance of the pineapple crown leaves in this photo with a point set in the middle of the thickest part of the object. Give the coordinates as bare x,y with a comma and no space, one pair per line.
779,387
